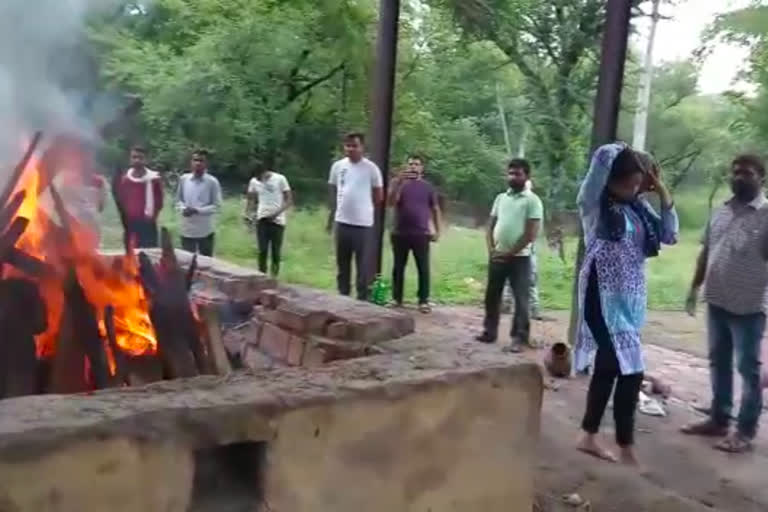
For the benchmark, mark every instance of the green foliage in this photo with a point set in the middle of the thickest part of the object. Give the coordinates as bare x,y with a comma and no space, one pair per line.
245,78
693,137
278,82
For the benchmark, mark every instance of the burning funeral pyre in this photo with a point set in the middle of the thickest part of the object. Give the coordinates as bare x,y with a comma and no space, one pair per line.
72,319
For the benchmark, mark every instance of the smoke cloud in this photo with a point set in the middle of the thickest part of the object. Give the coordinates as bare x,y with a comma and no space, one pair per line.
47,80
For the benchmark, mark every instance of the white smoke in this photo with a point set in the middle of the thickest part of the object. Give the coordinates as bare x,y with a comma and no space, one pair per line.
46,76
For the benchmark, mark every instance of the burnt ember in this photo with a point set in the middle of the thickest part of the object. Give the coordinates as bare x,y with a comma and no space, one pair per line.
74,320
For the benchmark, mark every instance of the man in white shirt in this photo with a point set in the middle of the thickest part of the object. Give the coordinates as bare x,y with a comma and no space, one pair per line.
355,189
198,199
272,193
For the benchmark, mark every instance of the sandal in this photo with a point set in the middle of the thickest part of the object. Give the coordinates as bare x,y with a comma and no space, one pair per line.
735,443
706,428
425,308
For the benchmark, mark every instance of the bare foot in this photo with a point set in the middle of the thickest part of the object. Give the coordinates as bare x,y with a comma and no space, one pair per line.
590,446
627,456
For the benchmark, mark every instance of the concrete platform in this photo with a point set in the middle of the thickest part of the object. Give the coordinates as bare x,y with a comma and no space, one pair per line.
422,430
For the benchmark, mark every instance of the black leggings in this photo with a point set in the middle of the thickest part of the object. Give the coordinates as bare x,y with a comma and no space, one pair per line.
606,372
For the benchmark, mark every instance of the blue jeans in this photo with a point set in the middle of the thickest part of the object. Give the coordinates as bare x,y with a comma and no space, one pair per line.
743,333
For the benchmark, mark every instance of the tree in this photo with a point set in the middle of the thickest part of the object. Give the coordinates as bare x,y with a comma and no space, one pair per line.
554,45
243,77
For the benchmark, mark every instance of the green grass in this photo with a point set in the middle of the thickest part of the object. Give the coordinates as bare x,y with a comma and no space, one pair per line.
458,260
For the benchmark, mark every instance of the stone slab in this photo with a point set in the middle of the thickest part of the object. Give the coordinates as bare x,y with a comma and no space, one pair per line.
435,429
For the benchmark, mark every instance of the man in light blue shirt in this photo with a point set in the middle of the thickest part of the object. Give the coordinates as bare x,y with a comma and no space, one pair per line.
198,199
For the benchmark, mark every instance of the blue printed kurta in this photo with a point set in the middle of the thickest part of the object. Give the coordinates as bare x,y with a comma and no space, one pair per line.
620,267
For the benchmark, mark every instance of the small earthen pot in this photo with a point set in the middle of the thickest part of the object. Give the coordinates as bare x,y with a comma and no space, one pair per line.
558,360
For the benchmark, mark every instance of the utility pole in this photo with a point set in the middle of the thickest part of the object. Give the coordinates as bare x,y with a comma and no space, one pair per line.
644,94
383,101
503,118
612,59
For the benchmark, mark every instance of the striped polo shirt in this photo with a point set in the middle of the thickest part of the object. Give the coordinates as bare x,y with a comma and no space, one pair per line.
737,271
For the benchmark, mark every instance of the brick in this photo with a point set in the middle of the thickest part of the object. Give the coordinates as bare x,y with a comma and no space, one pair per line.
300,320
296,350
336,350
274,341
337,330
268,315
314,356
256,338
268,298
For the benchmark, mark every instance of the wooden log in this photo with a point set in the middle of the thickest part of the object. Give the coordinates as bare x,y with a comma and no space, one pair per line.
119,378
191,272
22,316
13,180
11,209
78,339
10,237
88,331
218,361
30,265
172,320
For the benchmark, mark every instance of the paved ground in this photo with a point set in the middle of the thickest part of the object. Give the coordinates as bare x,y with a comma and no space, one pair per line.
679,473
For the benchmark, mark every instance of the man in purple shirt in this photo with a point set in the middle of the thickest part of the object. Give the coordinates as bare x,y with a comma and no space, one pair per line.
417,223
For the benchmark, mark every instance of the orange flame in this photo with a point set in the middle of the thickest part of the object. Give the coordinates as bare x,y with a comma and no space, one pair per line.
105,280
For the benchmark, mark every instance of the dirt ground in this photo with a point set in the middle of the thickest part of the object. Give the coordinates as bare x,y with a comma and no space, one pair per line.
678,473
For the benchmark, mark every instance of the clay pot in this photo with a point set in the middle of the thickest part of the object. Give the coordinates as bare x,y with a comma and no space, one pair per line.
558,360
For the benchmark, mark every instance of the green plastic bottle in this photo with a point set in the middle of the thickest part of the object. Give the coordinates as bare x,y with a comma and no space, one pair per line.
380,291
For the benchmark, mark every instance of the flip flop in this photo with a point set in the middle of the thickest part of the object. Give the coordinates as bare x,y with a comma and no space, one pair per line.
705,429
735,444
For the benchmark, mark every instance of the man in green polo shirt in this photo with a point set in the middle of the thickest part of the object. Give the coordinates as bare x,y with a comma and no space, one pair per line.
515,223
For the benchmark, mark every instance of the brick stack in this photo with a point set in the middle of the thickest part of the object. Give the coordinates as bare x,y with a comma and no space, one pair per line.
297,326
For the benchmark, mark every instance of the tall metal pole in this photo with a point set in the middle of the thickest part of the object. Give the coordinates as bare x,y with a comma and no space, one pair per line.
644,94
612,59
383,101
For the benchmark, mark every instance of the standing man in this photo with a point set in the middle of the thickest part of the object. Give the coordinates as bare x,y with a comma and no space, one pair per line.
415,203
272,193
732,266
140,195
355,189
198,199
534,291
515,223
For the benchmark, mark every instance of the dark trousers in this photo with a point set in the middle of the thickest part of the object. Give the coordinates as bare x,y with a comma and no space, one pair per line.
606,373
352,242
270,238
142,233
516,271
203,245
402,245
744,333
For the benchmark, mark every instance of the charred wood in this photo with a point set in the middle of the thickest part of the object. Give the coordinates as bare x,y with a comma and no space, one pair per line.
22,316
172,320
